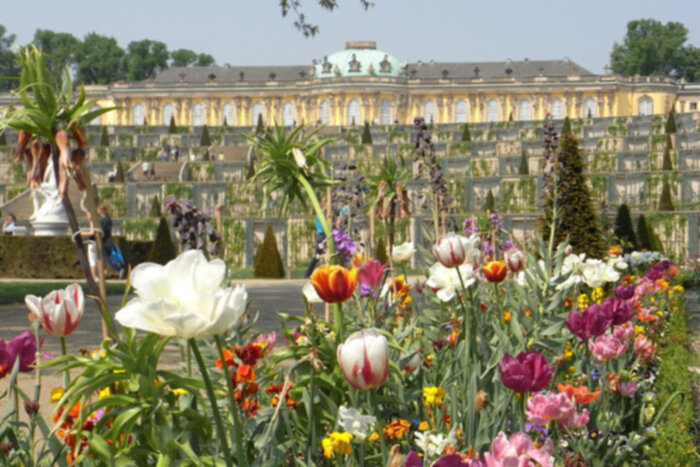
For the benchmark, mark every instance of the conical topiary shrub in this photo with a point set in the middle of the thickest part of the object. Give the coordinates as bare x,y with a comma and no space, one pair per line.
366,135
624,229
566,128
119,177
667,163
163,249
466,134
260,127
656,244
172,129
268,262
380,251
666,201
490,204
671,122
155,207
205,139
524,167
104,139
643,234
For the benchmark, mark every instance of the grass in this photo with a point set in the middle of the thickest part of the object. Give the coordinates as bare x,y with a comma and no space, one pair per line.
14,292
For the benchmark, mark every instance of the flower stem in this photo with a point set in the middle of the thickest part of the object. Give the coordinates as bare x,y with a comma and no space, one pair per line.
232,401
318,210
374,404
215,409
66,374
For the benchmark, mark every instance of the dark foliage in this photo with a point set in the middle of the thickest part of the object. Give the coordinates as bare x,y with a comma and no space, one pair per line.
466,134
380,251
366,135
104,139
624,229
163,246
192,226
172,129
268,262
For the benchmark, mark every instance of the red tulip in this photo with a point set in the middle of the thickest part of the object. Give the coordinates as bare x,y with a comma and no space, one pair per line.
23,348
495,271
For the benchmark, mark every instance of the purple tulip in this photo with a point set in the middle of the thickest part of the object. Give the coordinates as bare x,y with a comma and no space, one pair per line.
528,372
370,278
593,322
22,347
624,292
413,460
619,309
452,460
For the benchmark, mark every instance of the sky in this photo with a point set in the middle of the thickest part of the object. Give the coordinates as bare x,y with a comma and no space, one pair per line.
253,32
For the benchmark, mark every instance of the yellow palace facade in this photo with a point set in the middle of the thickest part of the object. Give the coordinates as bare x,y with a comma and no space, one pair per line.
364,84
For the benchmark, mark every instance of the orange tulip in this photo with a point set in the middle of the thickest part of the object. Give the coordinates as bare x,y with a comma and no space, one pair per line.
580,393
495,271
334,284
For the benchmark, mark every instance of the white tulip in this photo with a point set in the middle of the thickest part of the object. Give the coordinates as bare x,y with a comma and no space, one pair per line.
184,298
446,280
402,252
596,273
364,359
310,293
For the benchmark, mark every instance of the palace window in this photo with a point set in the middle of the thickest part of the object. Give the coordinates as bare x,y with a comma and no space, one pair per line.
461,111
258,109
353,112
385,117
227,114
493,111
646,106
287,114
168,112
325,112
138,114
430,111
590,109
197,114
524,110
556,108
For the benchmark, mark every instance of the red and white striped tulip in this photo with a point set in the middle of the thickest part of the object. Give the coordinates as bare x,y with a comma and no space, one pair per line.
364,359
60,311
515,259
449,250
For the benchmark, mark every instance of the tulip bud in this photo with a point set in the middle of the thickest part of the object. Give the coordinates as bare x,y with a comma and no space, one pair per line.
449,251
515,259
495,271
364,359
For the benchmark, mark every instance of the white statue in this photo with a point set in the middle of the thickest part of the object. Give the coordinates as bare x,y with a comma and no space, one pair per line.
48,206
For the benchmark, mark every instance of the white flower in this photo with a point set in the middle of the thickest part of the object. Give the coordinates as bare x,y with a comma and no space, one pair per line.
310,293
446,281
402,252
596,273
616,262
184,298
431,445
354,422
299,158
60,311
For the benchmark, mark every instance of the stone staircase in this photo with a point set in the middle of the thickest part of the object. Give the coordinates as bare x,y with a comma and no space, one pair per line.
168,172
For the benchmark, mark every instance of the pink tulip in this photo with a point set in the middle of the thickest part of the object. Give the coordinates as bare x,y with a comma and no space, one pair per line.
593,322
370,278
60,311
364,359
627,389
606,347
528,372
555,406
518,450
624,331
449,250
644,348
515,259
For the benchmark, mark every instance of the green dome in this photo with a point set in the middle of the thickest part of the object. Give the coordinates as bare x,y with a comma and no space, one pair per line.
358,59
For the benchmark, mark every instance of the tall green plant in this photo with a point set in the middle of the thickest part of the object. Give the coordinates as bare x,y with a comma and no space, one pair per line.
205,139
667,162
643,233
671,122
666,200
163,249
172,128
624,229
104,139
366,134
466,134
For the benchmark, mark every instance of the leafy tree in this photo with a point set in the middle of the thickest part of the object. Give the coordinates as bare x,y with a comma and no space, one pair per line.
205,60
99,60
466,135
651,48
187,57
172,128
61,46
671,122
366,135
667,162
268,262
145,58
163,249
623,227
301,23
666,201
205,140
8,64
104,139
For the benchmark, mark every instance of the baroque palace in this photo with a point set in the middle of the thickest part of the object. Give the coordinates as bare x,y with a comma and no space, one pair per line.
364,84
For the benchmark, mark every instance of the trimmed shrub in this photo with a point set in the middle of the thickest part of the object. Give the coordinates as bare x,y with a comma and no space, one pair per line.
205,139
380,251
268,262
466,135
667,164
523,168
643,234
624,229
671,122
366,135
566,128
260,127
104,139
172,129
163,246
490,203
155,207
119,177
666,201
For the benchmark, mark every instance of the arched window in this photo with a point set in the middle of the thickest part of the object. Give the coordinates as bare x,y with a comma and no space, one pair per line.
94,121
325,112
385,116
227,114
461,111
557,108
590,110
430,111
287,114
168,112
524,110
258,109
646,106
354,112
493,111
197,114
138,114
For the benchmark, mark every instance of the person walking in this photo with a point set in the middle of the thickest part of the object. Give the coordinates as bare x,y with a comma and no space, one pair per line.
112,253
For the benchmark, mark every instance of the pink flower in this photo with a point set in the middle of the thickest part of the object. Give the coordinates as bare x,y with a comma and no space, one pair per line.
370,278
60,311
606,347
577,420
518,450
592,322
450,251
619,309
528,372
555,406
627,389
270,339
624,331
644,348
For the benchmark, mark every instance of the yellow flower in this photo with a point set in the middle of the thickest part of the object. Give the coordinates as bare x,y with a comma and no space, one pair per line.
582,301
56,394
179,391
433,395
506,317
638,331
422,426
568,355
104,393
572,369
597,295
337,443
374,436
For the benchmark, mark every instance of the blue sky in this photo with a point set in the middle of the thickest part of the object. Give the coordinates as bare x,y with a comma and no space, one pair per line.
252,32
